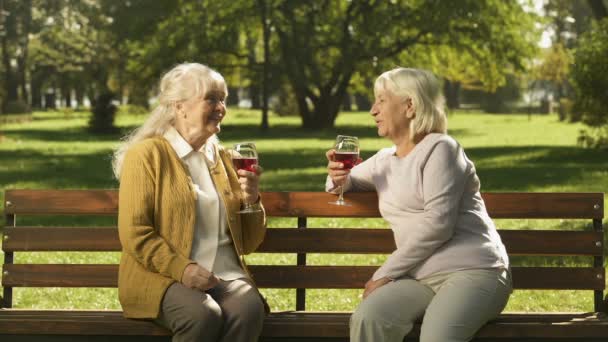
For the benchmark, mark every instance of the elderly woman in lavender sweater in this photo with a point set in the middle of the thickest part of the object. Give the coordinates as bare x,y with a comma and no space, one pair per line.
450,267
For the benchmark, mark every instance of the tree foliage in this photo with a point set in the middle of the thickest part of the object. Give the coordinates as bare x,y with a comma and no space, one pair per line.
590,78
319,48
324,43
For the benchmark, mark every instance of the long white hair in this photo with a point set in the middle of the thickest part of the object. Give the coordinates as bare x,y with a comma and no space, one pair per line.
423,88
183,82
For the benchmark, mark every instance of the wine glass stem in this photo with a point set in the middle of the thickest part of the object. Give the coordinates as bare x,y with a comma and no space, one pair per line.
341,198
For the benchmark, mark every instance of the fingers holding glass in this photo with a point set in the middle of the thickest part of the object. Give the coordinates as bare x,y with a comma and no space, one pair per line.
245,160
343,158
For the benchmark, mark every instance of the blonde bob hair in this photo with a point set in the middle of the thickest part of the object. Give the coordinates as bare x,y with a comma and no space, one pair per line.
183,82
424,90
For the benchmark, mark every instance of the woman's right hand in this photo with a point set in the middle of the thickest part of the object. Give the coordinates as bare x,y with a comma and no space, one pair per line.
196,277
335,169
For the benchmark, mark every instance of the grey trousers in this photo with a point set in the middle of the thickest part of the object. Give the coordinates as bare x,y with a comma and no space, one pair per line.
232,311
453,306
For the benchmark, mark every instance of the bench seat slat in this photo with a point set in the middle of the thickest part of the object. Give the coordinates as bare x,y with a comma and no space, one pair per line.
314,204
311,240
289,324
348,277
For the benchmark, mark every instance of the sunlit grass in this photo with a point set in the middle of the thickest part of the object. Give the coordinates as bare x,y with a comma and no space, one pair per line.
511,153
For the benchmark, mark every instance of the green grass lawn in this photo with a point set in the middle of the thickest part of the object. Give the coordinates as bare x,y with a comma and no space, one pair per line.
511,153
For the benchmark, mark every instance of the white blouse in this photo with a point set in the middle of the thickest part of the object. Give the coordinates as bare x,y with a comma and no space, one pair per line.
212,247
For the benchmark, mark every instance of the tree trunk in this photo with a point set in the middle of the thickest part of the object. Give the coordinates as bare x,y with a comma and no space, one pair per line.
79,97
10,85
362,102
347,103
24,43
233,96
254,93
452,94
67,97
598,8
35,88
266,67
325,111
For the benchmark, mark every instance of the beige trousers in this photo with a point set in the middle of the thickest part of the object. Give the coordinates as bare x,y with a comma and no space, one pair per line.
453,306
232,311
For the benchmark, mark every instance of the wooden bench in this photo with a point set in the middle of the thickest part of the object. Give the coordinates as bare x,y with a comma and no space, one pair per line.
300,324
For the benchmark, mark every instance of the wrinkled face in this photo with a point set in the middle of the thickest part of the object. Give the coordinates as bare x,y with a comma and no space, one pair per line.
204,114
390,114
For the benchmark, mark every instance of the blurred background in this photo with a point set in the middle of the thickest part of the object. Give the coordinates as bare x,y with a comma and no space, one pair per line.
526,84
312,59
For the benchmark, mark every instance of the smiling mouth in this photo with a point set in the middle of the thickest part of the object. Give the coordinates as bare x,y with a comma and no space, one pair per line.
217,118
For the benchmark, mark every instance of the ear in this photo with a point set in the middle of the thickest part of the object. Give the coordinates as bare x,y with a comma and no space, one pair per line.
410,111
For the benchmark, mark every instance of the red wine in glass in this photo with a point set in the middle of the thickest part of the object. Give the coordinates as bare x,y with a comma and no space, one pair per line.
245,163
347,152
244,157
348,159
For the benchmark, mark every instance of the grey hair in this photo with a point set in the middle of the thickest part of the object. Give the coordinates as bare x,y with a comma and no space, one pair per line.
183,82
424,90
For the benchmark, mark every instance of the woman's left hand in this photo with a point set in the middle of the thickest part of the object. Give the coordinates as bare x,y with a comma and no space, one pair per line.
372,285
249,183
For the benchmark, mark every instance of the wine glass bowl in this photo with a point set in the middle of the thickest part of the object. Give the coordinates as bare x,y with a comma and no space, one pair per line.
347,153
244,157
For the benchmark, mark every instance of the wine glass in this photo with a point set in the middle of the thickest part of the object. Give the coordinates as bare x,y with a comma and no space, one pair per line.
244,157
347,153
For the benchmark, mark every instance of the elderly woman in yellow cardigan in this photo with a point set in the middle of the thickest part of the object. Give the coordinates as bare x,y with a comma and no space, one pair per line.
182,238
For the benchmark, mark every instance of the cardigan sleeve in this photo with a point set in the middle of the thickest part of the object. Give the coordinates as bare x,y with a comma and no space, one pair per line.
253,225
253,228
138,236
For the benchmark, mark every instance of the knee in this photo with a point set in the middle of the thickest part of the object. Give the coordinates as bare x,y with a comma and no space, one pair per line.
203,320
371,316
250,315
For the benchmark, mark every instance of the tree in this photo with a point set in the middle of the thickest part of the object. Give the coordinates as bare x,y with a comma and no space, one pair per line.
15,20
263,8
470,67
554,69
590,78
324,43
599,9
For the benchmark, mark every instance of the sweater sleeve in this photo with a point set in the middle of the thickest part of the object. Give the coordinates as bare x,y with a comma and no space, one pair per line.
138,236
359,178
443,180
254,228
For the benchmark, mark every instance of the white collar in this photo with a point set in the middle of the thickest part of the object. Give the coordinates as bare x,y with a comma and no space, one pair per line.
179,144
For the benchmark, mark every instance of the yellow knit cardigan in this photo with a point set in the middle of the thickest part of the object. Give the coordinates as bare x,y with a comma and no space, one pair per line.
156,218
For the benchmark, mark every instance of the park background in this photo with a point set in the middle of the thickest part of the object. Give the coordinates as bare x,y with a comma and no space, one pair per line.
526,85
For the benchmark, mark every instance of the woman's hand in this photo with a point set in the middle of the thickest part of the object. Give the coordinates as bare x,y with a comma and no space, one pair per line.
196,277
335,169
371,285
250,183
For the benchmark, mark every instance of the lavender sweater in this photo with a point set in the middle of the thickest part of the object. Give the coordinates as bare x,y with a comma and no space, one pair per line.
432,202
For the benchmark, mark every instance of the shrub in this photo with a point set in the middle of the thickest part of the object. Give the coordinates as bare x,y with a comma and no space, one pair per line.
285,103
565,109
132,109
17,107
590,80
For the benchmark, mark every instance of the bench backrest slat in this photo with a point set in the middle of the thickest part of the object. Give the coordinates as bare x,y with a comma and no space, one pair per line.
270,276
303,205
311,240
313,204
